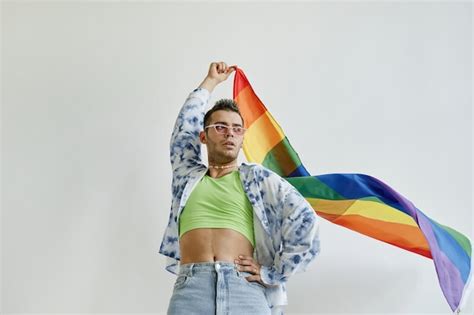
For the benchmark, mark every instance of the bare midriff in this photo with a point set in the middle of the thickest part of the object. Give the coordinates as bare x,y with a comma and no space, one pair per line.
213,244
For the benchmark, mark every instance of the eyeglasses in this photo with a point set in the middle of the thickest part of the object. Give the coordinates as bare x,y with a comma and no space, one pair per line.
223,129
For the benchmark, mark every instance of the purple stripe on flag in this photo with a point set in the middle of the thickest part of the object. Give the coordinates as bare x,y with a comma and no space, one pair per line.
448,275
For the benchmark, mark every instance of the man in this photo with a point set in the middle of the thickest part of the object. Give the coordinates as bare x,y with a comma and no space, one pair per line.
236,233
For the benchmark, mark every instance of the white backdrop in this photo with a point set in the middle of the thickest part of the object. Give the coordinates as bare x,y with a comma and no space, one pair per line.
90,93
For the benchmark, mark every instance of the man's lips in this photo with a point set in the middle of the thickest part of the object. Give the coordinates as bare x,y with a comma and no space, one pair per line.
228,143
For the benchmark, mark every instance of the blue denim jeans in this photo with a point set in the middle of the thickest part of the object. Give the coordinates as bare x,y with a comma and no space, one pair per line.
216,288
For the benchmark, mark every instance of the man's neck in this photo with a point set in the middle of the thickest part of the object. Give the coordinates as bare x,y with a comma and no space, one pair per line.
218,170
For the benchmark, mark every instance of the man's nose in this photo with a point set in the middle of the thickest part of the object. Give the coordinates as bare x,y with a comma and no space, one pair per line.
229,132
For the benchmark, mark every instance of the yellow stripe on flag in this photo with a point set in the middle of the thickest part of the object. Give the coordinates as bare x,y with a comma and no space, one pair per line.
366,208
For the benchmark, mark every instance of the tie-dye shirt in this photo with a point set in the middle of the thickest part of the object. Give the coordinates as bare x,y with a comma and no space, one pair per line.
285,225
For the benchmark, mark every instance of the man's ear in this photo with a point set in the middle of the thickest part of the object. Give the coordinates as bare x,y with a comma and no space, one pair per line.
202,137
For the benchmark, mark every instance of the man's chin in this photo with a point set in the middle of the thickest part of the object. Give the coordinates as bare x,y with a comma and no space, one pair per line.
232,155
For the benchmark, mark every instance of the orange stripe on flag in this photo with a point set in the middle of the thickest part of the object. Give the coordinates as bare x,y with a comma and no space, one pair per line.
258,145
250,106
404,236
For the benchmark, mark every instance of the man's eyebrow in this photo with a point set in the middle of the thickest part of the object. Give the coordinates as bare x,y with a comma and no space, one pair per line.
224,123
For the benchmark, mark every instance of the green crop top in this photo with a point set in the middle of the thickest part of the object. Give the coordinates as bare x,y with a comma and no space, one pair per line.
219,203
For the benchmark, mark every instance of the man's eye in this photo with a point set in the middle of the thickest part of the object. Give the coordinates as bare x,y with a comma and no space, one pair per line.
237,129
221,128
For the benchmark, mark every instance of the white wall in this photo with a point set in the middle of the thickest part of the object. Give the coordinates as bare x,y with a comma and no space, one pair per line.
90,94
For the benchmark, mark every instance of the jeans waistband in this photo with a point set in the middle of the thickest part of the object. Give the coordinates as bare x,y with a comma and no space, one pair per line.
191,268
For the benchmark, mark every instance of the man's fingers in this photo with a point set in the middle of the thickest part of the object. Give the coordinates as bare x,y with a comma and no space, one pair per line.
256,279
229,71
246,265
245,262
250,268
221,67
215,68
252,278
231,68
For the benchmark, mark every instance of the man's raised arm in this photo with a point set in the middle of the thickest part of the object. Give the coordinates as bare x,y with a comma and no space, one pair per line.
185,148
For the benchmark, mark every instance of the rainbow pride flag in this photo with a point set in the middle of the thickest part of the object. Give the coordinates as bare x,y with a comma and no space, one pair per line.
358,202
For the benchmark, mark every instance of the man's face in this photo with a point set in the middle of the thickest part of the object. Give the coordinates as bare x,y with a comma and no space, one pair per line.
222,148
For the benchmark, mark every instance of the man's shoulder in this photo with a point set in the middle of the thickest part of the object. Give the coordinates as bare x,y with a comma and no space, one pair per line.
256,167
262,172
268,180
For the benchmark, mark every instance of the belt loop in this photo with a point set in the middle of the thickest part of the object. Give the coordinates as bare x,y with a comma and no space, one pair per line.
191,270
237,270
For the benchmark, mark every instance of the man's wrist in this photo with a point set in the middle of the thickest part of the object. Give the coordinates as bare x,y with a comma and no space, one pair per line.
209,84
